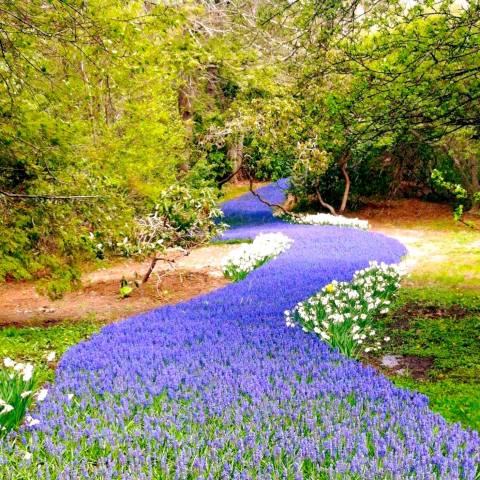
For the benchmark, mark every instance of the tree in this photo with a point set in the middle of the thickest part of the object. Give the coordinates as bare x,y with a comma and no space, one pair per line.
383,73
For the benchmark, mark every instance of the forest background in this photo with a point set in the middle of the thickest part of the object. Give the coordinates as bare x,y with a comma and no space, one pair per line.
121,121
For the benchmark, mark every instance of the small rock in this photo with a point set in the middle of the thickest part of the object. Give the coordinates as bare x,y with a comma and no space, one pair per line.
215,273
390,361
46,309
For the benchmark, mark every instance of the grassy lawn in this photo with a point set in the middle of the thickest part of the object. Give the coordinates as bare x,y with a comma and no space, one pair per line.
454,263
439,330
32,344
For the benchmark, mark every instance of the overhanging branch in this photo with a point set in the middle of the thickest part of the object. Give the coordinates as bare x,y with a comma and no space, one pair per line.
257,195
47,197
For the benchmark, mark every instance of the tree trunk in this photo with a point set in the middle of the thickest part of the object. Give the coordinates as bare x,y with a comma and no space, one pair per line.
235,155
343,166
325,204
153,261
184,105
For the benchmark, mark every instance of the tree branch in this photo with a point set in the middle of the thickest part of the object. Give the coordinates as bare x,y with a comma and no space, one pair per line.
323,203
343,166
47,197
257,195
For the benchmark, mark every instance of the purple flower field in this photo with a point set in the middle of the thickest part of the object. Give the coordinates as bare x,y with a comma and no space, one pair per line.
218,387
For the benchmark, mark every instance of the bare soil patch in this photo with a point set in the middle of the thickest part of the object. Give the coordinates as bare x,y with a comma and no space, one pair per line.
101,301
402,317
98,299
411,212
406,365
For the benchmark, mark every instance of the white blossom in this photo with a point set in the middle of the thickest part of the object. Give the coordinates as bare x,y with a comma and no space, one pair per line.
31,422
248,257
8,362
328,219
41,395
51,356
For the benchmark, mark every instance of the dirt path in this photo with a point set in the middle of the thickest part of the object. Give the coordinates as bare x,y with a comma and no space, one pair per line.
436,244
98,299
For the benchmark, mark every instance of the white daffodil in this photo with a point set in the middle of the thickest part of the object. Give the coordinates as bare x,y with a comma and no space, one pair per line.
31,422
51,356
8,362
41,395
27,373
325,336
327,219
6,408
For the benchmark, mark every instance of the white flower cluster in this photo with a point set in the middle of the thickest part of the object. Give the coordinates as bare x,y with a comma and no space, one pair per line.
246,258
24,370
328,219
343,313
16,386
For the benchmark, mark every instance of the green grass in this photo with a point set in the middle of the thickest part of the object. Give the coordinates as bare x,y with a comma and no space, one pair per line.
451,259
32,344
232,241
233,190
456,402
444,325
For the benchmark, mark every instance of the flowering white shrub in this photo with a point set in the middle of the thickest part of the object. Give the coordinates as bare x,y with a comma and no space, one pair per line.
246,258
17,385
328,219
342,313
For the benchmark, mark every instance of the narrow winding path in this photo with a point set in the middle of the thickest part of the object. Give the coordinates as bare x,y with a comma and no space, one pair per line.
218,387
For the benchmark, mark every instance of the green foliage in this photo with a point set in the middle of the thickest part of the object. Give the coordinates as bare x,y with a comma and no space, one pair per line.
97,116
395,96
187,216
125,289
118,101
33,344
308,170
458,192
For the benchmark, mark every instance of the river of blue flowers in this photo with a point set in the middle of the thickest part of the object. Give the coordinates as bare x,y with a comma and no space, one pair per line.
218,387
